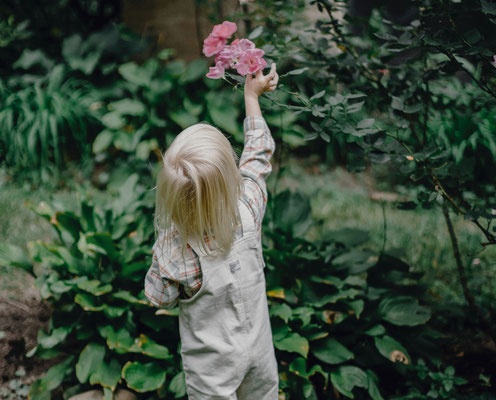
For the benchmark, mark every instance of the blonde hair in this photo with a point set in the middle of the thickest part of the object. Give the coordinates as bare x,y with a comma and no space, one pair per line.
198,188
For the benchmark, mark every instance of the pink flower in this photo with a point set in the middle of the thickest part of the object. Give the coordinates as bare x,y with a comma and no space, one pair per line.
213,45
494,62
226,56
230,54
216,72
243,44
224,30
250,61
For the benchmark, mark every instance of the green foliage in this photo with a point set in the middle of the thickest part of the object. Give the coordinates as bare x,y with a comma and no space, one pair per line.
337,315
45,118
433,384
102,326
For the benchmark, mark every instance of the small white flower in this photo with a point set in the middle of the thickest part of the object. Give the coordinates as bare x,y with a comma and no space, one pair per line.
494,62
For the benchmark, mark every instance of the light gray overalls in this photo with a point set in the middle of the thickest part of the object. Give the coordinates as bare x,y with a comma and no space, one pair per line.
227,349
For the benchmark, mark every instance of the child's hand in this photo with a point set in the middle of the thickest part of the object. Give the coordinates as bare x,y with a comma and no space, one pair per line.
256,86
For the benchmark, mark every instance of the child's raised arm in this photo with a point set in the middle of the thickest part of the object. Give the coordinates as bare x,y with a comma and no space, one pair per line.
254,164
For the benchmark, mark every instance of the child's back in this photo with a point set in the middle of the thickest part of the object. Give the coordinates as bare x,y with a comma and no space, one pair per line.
225,331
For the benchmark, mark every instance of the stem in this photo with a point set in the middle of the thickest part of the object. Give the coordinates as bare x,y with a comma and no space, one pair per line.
463,276
484,86
383,206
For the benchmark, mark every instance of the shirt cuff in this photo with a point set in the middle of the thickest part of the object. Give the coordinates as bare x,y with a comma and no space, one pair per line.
254,122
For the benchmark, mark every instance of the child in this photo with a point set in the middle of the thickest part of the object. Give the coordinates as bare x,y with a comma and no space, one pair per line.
208,255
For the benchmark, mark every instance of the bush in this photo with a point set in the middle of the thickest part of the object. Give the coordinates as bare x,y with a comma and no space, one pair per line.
342,316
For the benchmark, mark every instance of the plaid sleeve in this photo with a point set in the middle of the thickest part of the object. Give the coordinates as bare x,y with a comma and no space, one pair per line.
172,276
160,290
255,166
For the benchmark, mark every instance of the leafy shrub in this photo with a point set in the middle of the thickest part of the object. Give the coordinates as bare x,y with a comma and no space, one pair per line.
341,315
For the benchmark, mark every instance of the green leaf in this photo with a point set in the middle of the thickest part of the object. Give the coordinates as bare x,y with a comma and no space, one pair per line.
33,57
107,374
281,310
397,103
194,71
135,74
376,330
293,342
152,349
15,256
357,306
183,118
95,287
298,71
89,359
403,311
373,389
143,377
391,349
333,298
346,378
318,95
299,367
88,302
128,107
488,7
102,141
57,336
256,32
178,385
113,120
365,123
40,390
331,351
68,222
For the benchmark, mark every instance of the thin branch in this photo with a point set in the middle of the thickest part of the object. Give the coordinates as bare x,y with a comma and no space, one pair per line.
462,274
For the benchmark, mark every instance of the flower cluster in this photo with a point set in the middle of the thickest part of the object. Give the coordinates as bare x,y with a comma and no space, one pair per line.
241,54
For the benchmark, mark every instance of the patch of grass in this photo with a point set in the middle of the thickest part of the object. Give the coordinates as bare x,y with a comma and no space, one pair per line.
340,199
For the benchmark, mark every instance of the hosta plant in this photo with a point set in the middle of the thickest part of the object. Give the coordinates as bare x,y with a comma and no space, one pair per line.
343,318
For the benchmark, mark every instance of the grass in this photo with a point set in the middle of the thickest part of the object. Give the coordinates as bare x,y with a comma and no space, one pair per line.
340,199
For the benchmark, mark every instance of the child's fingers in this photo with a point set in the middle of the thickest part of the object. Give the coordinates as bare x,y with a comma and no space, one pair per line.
272,72
274,80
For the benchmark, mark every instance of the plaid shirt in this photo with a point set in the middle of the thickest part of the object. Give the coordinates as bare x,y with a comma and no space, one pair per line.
172,275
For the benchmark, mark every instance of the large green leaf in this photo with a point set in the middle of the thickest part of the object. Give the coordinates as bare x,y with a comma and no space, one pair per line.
40,390
403,311
94,287
281,310
331,351
293,342
392,349
143,377
69,222
178,385
133,73
107,374
347,377
88,302
128,107
89,360
56,336
299,367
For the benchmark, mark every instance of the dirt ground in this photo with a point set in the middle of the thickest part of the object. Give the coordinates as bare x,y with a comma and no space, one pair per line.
21,316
